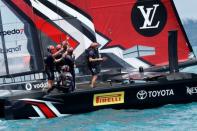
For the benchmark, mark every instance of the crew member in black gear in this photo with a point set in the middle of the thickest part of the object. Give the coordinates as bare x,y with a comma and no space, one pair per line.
94,61
58,56
69,59
49,66
65,79
63,50
65,46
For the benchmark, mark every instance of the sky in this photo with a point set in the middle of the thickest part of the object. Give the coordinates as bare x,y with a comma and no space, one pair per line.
187,9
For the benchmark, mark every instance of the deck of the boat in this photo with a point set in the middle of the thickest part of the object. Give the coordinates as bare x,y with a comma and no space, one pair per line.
80,87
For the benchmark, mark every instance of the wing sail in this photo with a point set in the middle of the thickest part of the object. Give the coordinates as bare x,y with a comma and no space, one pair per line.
137,29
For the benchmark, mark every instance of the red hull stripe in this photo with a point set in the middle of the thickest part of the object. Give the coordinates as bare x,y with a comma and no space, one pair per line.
44,108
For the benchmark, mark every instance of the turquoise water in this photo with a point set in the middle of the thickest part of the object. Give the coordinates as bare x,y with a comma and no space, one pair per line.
167,118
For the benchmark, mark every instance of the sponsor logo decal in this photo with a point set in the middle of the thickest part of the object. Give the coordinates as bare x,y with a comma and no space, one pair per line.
11,50
30,86
191,90
44,109
108,98
149,17
12,32
141,95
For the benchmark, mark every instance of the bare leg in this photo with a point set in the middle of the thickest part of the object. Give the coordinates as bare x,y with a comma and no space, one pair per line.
50,85
93,81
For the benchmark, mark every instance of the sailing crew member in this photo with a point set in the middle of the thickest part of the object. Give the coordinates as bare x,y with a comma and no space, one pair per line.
61,49
64,46
49,66
68,59
65,80
58,47
94,61
58,56
71,62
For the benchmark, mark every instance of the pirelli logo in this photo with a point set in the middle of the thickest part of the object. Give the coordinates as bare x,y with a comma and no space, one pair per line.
108,98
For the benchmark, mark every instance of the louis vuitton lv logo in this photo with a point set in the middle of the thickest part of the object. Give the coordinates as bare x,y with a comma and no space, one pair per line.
149,15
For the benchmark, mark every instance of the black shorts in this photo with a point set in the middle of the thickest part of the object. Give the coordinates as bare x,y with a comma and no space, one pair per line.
95,70
50,75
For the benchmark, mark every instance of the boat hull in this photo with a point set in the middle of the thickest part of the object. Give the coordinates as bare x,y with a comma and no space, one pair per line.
132,96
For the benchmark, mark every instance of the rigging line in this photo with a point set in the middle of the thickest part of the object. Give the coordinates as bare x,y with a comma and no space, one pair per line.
4,46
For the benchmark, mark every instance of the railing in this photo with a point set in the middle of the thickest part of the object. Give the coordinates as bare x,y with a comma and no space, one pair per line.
22,78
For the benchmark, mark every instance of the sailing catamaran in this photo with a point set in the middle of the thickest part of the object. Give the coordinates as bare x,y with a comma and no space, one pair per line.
132,33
